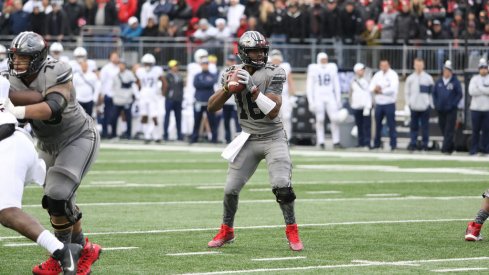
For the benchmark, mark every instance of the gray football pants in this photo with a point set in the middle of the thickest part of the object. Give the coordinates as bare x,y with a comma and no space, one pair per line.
274,149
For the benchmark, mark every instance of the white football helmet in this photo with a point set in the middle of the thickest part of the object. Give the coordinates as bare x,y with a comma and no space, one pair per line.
56,47
199,54
80,52
148,59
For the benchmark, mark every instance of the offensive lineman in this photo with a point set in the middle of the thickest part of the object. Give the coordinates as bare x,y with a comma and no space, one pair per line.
148,76
67,139
258,107
25,168
324,95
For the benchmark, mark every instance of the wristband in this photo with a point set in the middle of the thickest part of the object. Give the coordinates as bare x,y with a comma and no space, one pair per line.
264,103
19,112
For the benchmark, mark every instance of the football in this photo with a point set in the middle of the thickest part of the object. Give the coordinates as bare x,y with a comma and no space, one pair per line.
25,97
233,85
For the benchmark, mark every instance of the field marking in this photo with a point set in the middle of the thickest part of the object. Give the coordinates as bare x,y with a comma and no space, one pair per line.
324,192
360,264
20,244
384,263
260,189
297,151
210,187
119,248
382,195
460,269
183,230
108,182
194,253
279,259
156,171
391,169
130,161
152,203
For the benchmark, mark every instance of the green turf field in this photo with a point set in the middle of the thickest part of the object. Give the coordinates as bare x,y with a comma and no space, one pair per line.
357,212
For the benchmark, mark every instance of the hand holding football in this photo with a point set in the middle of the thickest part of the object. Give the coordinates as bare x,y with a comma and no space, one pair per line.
233,85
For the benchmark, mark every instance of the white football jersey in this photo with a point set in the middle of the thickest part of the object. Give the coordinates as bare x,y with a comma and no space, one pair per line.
75,66
322,80
149,80
4,65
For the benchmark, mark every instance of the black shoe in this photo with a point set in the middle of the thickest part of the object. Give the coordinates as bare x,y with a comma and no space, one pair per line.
321,146
68,257
338,146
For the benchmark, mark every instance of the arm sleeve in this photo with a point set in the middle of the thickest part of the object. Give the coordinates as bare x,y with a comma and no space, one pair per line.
474,88
392,90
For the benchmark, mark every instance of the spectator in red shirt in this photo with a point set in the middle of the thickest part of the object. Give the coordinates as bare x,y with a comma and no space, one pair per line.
126,8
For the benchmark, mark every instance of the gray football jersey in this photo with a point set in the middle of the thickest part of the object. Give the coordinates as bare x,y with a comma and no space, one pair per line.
269,79
54,134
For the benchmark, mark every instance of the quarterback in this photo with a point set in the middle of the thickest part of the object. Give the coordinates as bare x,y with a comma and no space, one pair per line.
262,136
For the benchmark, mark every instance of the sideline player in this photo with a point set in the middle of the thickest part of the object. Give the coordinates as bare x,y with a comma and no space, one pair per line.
324,95
148,76
20,166
263,135
67,139
277,59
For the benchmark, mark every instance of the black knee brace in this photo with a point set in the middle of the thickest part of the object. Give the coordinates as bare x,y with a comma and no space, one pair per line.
284,194
61,208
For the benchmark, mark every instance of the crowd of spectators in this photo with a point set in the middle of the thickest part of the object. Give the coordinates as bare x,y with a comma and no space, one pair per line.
293,21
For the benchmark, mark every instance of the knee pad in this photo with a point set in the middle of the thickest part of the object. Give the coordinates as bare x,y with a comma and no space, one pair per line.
284,194
61,208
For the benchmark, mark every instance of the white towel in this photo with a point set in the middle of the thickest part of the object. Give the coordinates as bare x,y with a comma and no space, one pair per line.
233,148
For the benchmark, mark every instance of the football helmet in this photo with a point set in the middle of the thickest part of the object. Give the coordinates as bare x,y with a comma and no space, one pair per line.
28,44
199,54
148,59
252,40
56,47
80,52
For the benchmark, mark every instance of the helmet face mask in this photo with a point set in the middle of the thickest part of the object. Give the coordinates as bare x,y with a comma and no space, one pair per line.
253,49
31,45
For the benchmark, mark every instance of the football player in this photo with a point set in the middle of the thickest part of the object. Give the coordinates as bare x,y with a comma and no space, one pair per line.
25,168
262,136
67,139
324,96
81,55
148,77
277,59
56,51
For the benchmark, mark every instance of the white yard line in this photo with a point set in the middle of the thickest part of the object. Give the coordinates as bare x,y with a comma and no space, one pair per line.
211,187
318,267
298,151
383,195
20,244
409,198
162,231
279,259
259,189
119,248
157,171
460,269
194,253
108,182
392,169
324,192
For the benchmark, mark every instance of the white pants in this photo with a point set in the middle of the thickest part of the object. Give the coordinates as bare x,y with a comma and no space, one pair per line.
148,105
19,166
330,107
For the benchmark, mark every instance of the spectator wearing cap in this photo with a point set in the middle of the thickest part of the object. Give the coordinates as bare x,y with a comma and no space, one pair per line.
234,14
351,23
132,30
331,24
295,22
438,33
386,21
417,92
192,27
361,104
102,13
384,85
405,25
229,110
206,32
447,94
223,32
204,89
479,110
57,22
174,98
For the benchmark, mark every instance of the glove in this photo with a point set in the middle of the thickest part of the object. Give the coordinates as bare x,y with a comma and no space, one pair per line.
18,112
246,79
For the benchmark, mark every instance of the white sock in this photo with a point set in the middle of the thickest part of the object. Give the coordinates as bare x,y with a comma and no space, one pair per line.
47,240
148,130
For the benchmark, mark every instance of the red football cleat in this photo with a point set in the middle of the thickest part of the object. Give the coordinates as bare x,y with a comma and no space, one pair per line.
49,267
225,235
292,233
472,233
89,255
